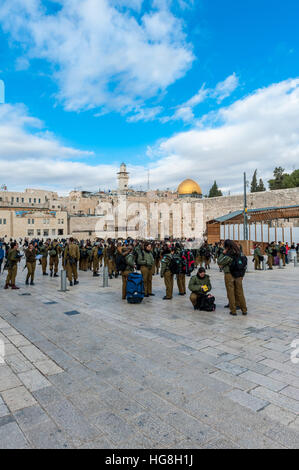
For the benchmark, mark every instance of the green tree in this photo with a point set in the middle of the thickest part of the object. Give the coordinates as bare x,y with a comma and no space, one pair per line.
215,191
279,176
254,185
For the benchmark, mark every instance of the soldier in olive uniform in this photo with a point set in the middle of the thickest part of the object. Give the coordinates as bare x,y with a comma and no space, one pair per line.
30,255
146,262
199,285
71,258
13,257
43,250
234,286
270,252
180,276
257,257
54,252
95,260
166,272
84,258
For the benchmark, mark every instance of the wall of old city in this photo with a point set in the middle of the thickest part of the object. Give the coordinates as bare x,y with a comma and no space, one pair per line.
218,206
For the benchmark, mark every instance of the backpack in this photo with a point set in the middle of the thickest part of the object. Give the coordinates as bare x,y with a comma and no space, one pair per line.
121,263
206,303
135,288
100,252
188,262
238,266
53,252
175,265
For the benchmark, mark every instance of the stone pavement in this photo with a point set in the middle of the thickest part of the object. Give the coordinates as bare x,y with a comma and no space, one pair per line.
84,369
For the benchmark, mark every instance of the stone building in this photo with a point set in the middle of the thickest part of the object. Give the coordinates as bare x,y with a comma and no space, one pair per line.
125,211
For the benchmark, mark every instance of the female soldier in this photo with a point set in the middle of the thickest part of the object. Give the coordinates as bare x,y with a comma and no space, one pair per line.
234,267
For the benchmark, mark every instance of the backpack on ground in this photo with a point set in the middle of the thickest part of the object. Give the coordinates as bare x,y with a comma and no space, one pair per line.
206,303
135,288
121,263
238,266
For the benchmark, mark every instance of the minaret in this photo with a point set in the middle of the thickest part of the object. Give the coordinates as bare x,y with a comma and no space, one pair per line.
123,179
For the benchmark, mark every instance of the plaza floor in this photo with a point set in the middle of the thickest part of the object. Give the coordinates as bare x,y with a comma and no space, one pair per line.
84,369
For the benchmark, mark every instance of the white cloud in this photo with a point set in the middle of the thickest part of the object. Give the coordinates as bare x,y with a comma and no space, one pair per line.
147,114
102,55
259,131
219,93
225,88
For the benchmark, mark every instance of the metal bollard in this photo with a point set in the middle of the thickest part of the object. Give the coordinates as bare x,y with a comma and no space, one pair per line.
295,261
263,265
105,276
63,280
280,263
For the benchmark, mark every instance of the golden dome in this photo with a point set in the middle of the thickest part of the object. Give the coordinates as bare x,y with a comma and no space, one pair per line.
189,187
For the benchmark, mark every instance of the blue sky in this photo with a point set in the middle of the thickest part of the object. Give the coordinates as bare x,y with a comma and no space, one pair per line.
176,86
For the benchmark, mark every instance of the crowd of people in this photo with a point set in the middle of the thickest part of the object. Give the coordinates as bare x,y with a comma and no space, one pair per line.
172,260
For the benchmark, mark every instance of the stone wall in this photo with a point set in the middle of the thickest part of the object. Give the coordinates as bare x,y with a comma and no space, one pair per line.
218,206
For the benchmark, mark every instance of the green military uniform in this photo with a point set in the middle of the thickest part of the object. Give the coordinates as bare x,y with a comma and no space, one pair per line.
71,258
43,250
197,286
54,251
146,262
282,253
269,252
157,257
180,277
13,258
130,260
30,264
234,286
167,275
84,258
257,253
95,260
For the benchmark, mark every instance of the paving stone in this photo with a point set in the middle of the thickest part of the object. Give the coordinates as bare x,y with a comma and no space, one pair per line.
33,380
19,340
231,368
291,392
68,418
18,398
9,381
11,437
276,398
30,417
278,414
48,367
48,436
33,354
3,410
123,378
160,432
267,382
247,400
284,436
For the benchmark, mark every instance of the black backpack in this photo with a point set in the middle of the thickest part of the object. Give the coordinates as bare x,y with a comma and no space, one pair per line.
175,265
121,263
206,303
238,266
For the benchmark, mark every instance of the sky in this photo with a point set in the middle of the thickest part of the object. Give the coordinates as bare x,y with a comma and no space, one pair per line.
201,89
